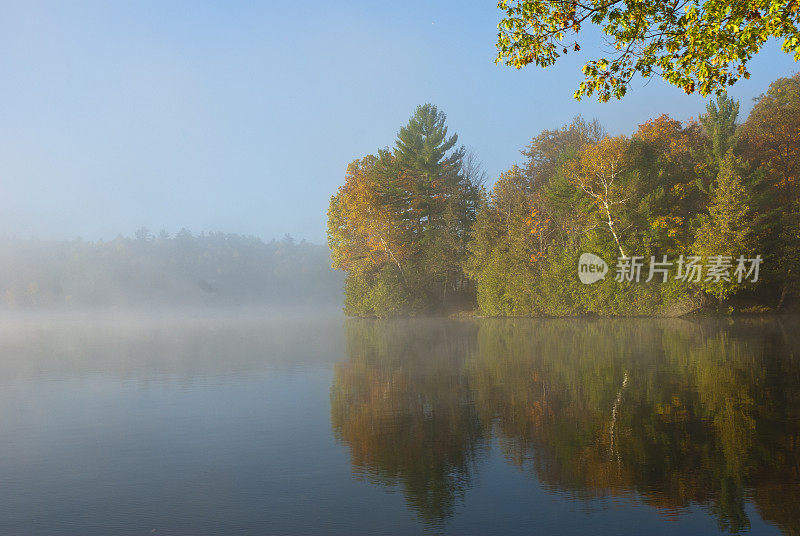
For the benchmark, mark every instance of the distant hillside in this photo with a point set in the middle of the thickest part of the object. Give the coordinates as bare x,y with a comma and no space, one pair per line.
184,270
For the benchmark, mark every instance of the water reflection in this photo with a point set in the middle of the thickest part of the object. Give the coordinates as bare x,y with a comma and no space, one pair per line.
404,406
183,346
672,413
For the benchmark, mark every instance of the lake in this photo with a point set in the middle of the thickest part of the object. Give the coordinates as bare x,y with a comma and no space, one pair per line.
288,423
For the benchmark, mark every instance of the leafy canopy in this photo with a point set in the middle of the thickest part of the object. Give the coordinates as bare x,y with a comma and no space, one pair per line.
697,45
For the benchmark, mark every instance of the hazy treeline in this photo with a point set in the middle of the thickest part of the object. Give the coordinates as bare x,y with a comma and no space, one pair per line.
416,232
179,270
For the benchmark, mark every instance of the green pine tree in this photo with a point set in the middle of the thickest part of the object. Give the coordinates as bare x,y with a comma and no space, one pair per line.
422,145
720,124
727,228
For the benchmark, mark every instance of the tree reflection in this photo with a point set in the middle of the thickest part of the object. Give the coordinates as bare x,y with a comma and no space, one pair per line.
402,403
673,412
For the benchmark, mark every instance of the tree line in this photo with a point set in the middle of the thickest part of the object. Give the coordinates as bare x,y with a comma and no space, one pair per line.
180,270
416,230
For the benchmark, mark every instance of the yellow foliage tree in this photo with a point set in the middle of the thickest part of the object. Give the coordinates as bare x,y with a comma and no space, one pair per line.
597,172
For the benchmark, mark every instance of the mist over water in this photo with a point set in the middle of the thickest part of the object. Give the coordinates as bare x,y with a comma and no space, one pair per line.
184,271
305,422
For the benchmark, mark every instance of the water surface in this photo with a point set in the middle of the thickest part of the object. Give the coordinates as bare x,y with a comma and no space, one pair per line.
313,424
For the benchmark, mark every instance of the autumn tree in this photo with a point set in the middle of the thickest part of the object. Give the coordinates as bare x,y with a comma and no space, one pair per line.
554,198
771,135
367,240
665,154
544,152
362,226
598,171
703,45
770,141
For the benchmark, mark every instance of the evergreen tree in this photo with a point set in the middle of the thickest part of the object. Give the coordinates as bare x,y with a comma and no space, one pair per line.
422,145
720,124
727,230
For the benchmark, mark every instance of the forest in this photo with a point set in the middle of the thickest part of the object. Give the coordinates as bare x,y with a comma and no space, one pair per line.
417,230
155,270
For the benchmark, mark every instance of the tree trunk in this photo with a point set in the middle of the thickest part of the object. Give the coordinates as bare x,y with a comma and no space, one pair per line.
613,232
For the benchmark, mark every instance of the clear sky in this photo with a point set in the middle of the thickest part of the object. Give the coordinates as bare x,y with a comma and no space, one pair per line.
241,117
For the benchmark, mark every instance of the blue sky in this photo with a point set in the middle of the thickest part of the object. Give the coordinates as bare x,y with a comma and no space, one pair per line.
241,117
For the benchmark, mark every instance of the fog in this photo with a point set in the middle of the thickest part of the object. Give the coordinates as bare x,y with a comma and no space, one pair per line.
163,272
178,346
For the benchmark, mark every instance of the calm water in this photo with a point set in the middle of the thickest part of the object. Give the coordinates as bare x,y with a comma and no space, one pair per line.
259,424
